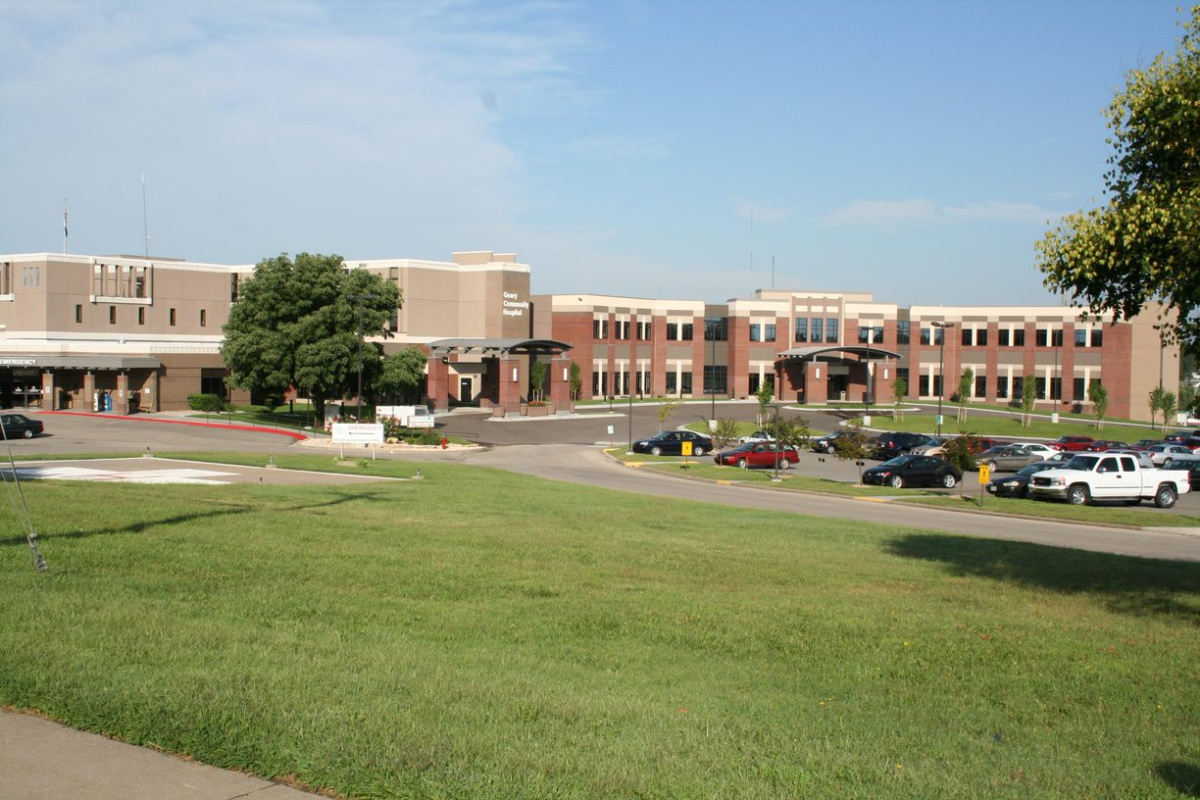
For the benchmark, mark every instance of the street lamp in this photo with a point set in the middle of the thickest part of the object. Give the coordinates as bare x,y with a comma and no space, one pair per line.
358,298
943,327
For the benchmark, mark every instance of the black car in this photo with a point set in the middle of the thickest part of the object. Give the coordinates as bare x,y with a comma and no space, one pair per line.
670,443
1017,484
1192,468
1189,439
19,426
894,444
913,470
826,443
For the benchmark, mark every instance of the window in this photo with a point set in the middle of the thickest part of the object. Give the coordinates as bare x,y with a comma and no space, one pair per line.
171,316
981,337
818,328
1019,337
864,334
1056,388
715,378
903,329
1004,339
1056,337
233,288
212,381
755,332
203,318
831,329
801,329
768,331
78,313
937,386
1039,388
141,316
1041,337
600,329
643,330
923,386
1081,337
1078,393
112,315
939,336
1018,388
902,374
622,326
673,331
599,383
755,383
671,388
877,334
1097,337
924,334
1002,386
968,337
685,383
716,329
980,386
685,332
5,278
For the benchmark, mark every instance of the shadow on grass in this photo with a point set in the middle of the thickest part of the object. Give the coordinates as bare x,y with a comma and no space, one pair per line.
1127,585
1183,778
231,510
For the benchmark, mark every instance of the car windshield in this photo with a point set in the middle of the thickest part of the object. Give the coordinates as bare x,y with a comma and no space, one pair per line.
1082,462
898,461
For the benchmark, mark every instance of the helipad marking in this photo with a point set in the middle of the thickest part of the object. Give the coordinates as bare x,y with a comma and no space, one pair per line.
203,476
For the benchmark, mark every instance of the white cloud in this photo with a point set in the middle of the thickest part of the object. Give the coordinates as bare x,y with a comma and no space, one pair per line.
994,210
879,214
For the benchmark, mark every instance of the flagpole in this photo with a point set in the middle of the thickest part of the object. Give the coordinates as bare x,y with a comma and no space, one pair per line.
64,226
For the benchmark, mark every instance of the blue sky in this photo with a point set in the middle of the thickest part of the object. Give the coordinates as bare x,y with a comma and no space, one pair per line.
916,150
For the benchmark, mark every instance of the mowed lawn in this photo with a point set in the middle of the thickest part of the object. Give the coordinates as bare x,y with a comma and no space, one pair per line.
477,634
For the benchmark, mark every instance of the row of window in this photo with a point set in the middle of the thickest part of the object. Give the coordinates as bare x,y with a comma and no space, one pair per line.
817,329
141,315
1006,387
716,381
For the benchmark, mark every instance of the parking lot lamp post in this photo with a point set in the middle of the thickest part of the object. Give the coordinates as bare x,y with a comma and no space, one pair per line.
943,327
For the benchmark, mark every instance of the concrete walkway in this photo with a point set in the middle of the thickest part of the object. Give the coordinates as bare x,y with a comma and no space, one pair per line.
43,760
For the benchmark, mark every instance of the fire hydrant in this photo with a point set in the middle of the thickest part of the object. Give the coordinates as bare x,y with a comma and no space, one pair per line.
444,442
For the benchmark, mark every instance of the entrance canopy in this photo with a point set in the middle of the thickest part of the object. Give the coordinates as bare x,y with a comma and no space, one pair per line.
865,352
498,347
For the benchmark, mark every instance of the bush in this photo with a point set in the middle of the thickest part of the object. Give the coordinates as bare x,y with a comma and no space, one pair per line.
204,402
960,451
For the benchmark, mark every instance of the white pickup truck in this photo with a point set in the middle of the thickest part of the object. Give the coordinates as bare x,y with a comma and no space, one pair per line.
1105,476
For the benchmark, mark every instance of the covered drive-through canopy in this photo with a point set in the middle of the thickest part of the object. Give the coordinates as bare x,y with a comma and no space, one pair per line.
494,347
865,352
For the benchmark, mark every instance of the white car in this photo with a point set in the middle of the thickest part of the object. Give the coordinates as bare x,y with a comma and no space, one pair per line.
1041,448
757,436
1163,455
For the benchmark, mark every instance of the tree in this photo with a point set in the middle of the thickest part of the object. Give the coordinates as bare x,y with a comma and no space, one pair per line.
960,450
401,373
725,433
792,432
852,445
899,390
1168,408
1098,396
538,370
295,324
576,378
1028,397
1144,244
1189,401
764,396
666,410
965,382
1156,404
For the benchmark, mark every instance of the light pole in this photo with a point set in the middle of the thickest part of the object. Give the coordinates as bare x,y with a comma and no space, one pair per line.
943,327
710,330
358,298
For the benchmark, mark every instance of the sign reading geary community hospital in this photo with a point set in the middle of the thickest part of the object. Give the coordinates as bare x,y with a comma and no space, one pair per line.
357,433
513,306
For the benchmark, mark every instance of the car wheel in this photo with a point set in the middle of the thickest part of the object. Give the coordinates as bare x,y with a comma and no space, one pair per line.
742,463
656,451
1165,497
1166,463
698,451
949,481
991,465
1078,495
897,482
785,463
28,434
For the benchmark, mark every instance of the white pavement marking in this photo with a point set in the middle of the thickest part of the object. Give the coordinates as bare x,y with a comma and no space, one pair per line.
203,476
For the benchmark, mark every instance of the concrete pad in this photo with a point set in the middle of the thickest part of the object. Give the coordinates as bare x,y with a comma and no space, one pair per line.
165,470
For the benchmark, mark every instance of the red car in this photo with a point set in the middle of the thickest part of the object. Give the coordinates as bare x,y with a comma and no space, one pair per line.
1074,444
758,454
1105,444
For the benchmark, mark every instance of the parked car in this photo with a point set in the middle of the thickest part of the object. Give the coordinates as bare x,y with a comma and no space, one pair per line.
1145,444
1007,459
1105,476
757,436
1017,484
19,426
894,444
1141,455
826,443
1041,448
933,447
670,443
758,454
913,470
1192,468
1100,445
1074,444
1189,439
1163,455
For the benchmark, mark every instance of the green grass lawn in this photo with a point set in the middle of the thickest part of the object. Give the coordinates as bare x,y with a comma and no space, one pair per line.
478,634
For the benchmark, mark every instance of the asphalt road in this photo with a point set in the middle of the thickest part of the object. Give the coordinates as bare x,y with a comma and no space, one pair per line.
565,449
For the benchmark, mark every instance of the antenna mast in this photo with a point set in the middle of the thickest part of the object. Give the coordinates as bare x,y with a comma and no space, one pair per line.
145,224
64,226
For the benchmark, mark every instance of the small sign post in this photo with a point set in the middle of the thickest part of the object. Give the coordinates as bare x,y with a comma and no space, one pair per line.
685,450
985,474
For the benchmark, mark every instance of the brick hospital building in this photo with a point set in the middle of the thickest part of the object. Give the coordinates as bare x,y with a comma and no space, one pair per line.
132,334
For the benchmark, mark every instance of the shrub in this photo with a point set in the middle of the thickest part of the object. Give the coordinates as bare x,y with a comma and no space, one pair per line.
204,402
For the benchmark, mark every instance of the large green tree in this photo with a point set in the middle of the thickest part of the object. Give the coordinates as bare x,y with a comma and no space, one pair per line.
401,374
296,324
1144,244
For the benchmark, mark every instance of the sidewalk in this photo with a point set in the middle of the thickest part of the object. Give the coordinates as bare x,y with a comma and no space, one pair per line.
43,760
